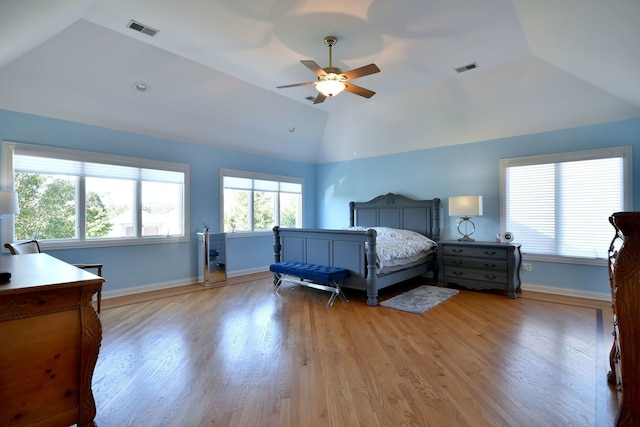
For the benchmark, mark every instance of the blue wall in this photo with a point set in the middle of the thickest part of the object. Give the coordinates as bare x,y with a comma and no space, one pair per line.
472,169
440,172
150,264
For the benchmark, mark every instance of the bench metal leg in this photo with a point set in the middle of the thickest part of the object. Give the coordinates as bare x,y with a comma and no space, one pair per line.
334,287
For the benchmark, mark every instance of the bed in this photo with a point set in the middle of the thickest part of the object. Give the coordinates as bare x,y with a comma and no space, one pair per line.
355,248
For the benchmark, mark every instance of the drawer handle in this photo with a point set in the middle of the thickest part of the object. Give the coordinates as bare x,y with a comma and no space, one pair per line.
490,252
490,265
619,386
455,262
457,251
458,273
490,277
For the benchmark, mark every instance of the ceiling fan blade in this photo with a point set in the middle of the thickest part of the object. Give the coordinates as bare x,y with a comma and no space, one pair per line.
362,71
313,66
320,98
359,90
296,84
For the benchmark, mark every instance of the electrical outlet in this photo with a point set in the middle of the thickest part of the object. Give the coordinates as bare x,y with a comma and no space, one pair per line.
526,266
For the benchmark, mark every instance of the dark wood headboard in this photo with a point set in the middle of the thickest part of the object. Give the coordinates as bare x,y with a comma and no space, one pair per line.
396,211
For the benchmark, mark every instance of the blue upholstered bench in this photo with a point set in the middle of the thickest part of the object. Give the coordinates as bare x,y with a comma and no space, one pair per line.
313,275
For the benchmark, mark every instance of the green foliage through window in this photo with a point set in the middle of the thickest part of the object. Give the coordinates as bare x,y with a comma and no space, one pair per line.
48,208
260,204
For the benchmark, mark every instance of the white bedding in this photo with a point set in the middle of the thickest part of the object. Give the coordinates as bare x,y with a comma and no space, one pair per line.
397,247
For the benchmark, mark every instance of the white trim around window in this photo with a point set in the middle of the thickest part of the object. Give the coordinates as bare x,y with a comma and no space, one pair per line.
558,205
274,183
83,164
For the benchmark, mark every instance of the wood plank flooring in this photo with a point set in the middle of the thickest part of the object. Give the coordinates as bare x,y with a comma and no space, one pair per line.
240,355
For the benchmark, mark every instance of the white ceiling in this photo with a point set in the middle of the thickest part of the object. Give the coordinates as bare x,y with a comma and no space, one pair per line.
214,66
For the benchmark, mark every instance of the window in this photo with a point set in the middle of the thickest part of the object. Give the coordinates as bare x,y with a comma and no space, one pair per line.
70,197
258,202
559,205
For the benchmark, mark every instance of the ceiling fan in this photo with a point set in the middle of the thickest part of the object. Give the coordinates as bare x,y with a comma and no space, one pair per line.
331,80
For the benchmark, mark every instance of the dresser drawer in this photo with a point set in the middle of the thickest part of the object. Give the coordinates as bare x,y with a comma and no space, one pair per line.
482,264
476,251
453,274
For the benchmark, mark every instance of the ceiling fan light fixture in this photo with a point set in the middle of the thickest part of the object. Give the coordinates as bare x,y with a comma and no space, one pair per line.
331,80
330,84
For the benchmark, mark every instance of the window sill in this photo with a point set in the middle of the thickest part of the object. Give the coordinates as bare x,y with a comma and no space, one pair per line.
565,259
99,243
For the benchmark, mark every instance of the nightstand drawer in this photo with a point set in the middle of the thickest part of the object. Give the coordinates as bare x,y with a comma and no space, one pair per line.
476,251
483,264
453,274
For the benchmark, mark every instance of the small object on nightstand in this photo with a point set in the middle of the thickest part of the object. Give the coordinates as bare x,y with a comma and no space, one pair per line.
506,237
5,276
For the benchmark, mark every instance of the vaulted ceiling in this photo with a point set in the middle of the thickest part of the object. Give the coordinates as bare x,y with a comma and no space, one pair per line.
213,68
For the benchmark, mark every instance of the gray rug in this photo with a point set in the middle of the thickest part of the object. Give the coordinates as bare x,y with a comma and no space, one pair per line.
420,299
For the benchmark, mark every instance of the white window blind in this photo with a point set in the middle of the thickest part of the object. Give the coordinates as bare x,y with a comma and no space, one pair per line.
104,199
559,205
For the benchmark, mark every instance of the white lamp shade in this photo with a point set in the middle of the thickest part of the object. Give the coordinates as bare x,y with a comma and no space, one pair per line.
330,85
465,206
9,202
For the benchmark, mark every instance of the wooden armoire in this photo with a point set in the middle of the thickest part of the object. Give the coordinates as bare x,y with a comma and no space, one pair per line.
624,274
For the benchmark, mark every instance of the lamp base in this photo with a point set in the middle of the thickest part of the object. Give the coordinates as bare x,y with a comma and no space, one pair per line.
466,221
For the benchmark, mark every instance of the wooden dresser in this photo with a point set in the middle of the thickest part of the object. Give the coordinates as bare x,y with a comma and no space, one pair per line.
50,336
480,265
624,274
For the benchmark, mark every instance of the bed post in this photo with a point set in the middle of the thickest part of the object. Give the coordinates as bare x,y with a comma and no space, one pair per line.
435,223
372,287
352,206
277,249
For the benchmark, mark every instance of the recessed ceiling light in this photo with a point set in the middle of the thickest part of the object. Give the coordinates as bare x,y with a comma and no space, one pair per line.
141,87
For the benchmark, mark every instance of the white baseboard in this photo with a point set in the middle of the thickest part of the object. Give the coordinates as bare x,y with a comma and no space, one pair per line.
248,271
174,284
147,288
567,292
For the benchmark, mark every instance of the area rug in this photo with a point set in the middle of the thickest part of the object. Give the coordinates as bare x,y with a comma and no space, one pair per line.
420,299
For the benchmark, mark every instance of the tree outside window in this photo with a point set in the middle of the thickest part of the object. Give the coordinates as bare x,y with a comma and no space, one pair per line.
252,204
48,208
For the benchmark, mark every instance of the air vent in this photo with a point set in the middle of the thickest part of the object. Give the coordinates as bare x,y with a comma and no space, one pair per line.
142,28
466,67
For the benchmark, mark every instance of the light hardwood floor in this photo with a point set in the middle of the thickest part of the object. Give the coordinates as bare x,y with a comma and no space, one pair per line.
240,355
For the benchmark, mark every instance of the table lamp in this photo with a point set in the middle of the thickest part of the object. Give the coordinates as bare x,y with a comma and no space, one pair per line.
465,207
9,202
8,205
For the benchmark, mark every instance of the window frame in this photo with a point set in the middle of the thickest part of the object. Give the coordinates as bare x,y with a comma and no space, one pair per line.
623,152
8,149
257,176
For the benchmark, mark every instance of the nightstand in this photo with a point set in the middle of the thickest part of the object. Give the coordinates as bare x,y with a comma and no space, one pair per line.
480,265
